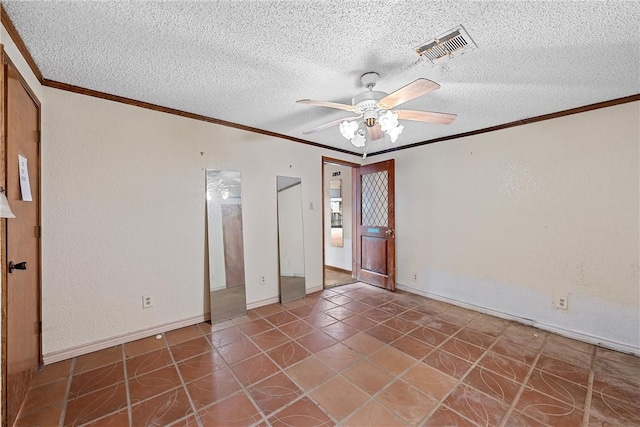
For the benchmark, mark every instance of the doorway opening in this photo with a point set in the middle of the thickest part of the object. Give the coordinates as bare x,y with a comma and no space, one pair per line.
358,215
338,213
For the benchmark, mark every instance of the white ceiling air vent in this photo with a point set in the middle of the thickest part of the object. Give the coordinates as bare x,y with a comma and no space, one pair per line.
455,41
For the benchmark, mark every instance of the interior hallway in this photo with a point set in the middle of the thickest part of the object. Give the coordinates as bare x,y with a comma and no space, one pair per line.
353,355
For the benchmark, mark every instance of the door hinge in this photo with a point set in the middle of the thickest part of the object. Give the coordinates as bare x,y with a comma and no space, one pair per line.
40,327
38,136
38,231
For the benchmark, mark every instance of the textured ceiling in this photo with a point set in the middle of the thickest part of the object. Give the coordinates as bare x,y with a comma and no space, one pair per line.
247,62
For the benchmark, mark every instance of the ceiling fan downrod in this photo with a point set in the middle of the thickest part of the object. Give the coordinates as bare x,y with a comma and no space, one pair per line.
370,79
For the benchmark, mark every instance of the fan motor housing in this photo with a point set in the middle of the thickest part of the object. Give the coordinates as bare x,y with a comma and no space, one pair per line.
367,100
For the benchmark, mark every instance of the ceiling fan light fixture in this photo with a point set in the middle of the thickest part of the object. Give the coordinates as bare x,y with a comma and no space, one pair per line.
395,132
359,139
348,129
370,117
388,121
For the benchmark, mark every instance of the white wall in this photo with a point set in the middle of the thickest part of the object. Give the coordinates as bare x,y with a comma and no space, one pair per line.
124,214
290,226
507,220
340,257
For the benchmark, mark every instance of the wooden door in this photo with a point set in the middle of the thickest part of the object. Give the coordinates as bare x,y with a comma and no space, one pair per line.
21,286
375,216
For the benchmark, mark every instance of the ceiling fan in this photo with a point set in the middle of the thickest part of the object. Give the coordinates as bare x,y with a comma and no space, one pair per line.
374,111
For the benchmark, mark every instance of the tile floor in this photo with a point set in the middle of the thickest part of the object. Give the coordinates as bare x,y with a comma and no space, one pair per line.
353,356
336,278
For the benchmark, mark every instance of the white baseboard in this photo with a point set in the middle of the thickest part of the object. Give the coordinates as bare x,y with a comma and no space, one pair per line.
80,350
272,300
275,300
590,339
314,289
69,353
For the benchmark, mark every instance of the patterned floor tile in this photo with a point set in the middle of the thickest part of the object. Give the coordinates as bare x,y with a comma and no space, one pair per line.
352,355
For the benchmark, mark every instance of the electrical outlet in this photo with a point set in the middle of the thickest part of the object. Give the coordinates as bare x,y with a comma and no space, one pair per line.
414,277
561,302
263,279
147,301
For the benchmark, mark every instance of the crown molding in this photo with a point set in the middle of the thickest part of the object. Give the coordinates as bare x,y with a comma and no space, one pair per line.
6,21
13,33
591,107
15,36
149,106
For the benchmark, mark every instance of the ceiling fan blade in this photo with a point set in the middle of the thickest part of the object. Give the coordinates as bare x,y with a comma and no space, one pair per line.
328,125
327,104
407,93
426,116
375,132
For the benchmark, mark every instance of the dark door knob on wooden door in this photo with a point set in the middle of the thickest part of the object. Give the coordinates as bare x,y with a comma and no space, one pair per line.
19,266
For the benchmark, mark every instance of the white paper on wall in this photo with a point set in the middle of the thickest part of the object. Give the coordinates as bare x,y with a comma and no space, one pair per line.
25,187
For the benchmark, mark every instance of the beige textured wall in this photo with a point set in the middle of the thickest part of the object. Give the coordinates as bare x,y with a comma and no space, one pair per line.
507,220
124,203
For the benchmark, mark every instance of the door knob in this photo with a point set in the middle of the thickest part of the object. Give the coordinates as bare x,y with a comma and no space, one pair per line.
19,266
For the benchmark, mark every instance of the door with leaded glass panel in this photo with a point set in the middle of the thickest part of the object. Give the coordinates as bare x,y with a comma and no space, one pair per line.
375,245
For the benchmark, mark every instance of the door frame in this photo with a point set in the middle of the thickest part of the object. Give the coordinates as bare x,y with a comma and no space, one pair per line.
5,61
388,280
354,173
